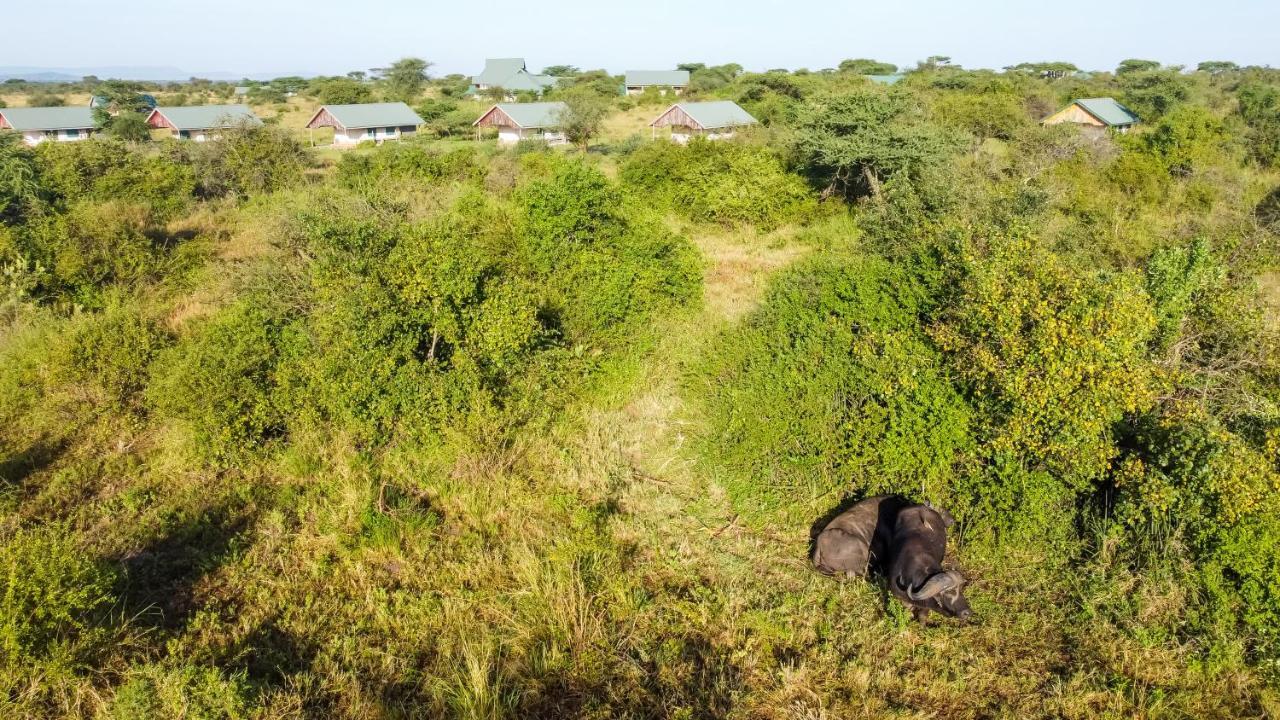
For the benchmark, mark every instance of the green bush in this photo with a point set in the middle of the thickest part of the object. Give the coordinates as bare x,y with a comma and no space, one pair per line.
418,325
996,113
1187,140
413,326
20,182
95,245
248,159
160,692
408,161
1054,357
831,390
602,263
112,351
847,144
103,170
730,183
222,381
49,592
1186,476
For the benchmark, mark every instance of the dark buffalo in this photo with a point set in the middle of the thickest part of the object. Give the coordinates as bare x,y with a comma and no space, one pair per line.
858,539
916,576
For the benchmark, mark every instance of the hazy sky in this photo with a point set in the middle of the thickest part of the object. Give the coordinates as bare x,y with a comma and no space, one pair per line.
330,37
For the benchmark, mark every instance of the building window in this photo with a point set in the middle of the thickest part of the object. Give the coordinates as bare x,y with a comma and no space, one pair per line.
71,133
184,134
369,132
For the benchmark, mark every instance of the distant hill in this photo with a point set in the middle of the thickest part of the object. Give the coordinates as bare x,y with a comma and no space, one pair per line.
39,76
124,72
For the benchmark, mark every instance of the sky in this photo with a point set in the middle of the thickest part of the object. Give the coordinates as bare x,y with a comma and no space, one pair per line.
333,36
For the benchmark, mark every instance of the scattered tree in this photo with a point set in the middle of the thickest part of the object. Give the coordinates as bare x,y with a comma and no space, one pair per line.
1134,65
582,116
865,66
406,79
561,71
1217,67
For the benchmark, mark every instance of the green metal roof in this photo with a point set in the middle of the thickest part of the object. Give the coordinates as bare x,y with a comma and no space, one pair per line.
885,79
202,117
716,114
366,115
642,78
511,74
496,70
1108,111
48,118
533,115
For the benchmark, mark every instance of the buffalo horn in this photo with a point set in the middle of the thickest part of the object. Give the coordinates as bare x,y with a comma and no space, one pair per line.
939,582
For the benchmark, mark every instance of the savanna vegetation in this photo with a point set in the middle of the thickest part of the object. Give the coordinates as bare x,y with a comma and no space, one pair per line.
434,429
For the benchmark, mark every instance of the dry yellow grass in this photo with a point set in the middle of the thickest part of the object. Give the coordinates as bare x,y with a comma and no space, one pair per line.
1269,292
24,99
623,124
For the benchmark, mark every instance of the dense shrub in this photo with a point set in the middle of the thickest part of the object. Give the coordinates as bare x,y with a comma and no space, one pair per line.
1186,476
412,326
832,390
193,692
20,186
1260,109
848,144
221,380
988,114
95,245
103,170
112,351
49,591
249,159
1186,140
415,326
1153,91
409,161
341,91
1054,357
723,182
601,263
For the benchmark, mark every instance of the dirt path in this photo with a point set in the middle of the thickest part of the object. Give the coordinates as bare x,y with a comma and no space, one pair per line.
642,440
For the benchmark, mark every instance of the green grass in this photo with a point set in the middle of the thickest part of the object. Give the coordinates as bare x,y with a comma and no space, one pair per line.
591,568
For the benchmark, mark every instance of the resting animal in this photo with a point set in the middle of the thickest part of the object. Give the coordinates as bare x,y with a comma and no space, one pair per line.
916,576
858,539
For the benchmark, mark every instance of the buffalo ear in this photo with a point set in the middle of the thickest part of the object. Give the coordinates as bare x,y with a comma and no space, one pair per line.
947,519
937,583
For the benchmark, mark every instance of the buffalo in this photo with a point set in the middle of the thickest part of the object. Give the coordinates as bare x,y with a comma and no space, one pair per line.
857,540
916,576
904,540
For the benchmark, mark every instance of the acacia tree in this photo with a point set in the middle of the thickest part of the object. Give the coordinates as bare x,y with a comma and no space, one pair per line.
1217,67
1133,65
849,144
406,78
1153,91
120,110
341,91
866,66
19,186
583,115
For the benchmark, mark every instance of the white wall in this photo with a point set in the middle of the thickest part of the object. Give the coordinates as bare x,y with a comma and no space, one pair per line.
35,137
639,90
683,137
511,136
354,136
